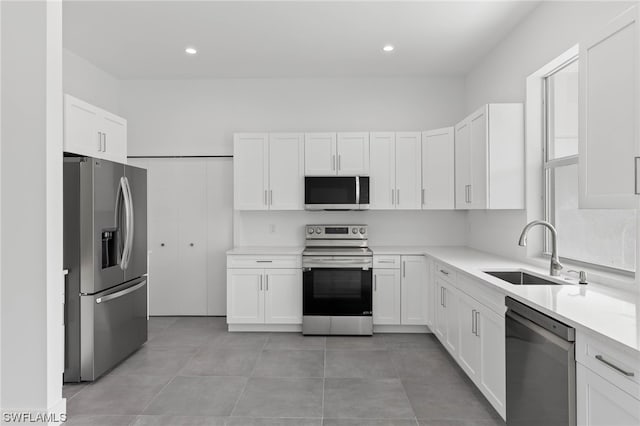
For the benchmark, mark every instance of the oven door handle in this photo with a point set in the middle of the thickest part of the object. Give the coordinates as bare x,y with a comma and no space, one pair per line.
337,263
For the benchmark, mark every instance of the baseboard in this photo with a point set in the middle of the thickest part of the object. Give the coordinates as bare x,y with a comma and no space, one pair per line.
401,329
266,327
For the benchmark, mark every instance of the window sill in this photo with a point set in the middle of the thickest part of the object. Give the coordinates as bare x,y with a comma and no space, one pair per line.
618,281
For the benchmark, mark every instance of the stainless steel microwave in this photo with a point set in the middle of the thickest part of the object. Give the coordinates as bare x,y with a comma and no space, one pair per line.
336,192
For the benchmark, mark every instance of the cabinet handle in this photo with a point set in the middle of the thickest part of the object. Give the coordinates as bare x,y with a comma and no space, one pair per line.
635,172
444,272
398,196
99,141
333,162
266,277
375,283
473,321
615,367
441,296
264,261
271,197
422,197
444,297
477,323
404,269
260,282
386,261
470,194
104,145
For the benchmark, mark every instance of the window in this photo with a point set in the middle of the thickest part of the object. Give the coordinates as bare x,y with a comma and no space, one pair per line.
603,238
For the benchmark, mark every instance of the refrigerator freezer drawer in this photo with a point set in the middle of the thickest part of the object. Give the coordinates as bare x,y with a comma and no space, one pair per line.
113,325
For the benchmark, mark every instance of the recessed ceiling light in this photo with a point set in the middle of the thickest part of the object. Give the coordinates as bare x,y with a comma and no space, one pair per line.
388,48
190,51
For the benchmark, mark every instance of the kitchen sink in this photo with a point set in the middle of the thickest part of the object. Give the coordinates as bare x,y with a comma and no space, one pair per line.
517,277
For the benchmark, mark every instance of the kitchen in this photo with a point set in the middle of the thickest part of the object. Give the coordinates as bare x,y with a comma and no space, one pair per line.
185,108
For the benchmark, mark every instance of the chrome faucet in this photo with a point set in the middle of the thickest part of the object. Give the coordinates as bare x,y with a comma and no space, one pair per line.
556,266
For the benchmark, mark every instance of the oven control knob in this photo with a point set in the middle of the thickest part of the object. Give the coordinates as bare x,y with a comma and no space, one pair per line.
362,230
354,231
318,230
310,230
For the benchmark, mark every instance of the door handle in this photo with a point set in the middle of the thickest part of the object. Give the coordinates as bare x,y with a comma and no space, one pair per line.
404,269
444,297
398,196
120,293
99,141
470,194
473,321
477,323
104,145
422,197
260,282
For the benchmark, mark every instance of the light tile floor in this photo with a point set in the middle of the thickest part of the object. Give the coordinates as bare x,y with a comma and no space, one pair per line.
193,372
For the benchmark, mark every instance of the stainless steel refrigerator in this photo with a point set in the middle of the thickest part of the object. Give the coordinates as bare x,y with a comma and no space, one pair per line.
105,252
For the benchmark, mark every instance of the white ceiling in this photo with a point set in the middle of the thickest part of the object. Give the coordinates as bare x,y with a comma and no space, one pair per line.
146,39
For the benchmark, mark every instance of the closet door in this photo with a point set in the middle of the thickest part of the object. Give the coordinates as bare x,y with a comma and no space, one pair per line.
191,198
162,186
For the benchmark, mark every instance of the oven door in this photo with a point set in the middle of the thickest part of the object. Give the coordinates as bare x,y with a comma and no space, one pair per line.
344,290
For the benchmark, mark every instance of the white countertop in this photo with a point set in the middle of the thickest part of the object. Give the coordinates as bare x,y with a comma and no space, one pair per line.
267,251
612,313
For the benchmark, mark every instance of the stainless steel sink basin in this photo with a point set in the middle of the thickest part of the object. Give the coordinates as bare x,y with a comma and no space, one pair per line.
520,278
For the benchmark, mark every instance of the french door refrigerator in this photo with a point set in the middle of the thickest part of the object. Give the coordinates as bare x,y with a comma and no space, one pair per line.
105,252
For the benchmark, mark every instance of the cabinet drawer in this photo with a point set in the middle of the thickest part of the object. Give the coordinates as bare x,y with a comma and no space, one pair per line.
386,262
277,262
445,273
616,365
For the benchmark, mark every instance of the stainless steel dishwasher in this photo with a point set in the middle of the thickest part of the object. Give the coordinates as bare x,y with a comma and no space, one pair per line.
541,368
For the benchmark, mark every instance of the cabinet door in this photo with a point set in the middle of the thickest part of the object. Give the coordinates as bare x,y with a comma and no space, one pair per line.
81,128
320,154
469,347
114,142
609,126
162,213
353,154
250,171
286,171
191,198
462,165
383,171
283,296
408,170
492,374
245,297
600,403
440,317
386,296
414,290
478,152
438,169
451,308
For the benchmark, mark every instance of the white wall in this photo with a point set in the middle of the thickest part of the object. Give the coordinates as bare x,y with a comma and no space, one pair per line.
31,192
85,81
199,117
551,29
385,227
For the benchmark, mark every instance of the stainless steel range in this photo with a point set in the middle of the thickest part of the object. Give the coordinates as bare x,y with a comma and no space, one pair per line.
337,280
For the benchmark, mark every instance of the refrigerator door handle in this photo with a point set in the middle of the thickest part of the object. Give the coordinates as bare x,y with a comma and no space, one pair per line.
130,227
121,293
118,222
127,221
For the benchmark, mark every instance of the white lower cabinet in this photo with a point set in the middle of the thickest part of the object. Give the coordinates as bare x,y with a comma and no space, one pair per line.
386,296
263,296
600,403
400,290
607,383
473,334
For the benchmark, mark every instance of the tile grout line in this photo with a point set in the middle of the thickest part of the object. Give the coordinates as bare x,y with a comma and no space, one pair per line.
244,388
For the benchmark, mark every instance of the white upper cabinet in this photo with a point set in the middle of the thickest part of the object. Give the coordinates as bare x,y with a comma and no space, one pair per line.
331,154
286,171
268,171
383,171
320,154
94,132
396,170
250,171
489,158
353,154
609,116
438,171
